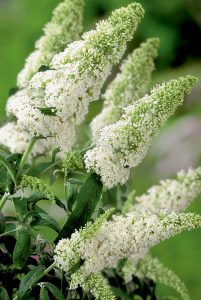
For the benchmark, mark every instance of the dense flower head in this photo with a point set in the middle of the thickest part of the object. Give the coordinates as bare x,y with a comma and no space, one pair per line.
16,140
128,86
26,105
98,286
67,251
82,68
121,238
64,27
172,195
124,144
13,138
56,100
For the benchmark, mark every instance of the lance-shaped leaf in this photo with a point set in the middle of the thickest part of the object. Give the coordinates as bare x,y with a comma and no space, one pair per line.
86,202
22,247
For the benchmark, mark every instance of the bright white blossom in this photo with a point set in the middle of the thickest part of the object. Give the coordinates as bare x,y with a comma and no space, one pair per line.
124,144
58,99
13,138
26,105
171,195
128,86
80,71
153,269
64,28
121,238
68,258
16,140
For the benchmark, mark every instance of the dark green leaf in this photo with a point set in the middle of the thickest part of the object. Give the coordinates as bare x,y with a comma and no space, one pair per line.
3,294
54,290
48,111
44,293
37,170
22,247
29,280
86,202
45,220
2,223
4,151
35,197
20,205
75,181
71,195
60,203
120,294
13,91
9,168
54,154
15,158
43,68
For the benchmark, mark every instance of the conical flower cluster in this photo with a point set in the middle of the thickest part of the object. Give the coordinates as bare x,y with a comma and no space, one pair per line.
118,239
64,28
124,144
171,195
128,86
58,99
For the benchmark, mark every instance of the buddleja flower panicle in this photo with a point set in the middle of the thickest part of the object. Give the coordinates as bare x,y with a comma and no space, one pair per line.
128,86
122,145
83,67
76,79
171,195
64,27
120,238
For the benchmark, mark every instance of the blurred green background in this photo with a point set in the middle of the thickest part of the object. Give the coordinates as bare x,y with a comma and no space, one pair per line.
178,25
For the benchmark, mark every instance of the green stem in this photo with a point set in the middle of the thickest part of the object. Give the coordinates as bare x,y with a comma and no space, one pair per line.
27,152
3,200
8,232
50,167
49,269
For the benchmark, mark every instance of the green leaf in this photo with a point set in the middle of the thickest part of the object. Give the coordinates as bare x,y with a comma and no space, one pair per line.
44,293
9,168
3,294
71,195
54,290
54,154
43,68
20,205
2,223
13,91
37,170
45,220
29,280
22,247
47,111
86,202
120,294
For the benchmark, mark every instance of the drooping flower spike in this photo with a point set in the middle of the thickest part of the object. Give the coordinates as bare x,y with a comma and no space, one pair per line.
171,195
76,79
64,28
118,239
82,68
122,145
128,86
